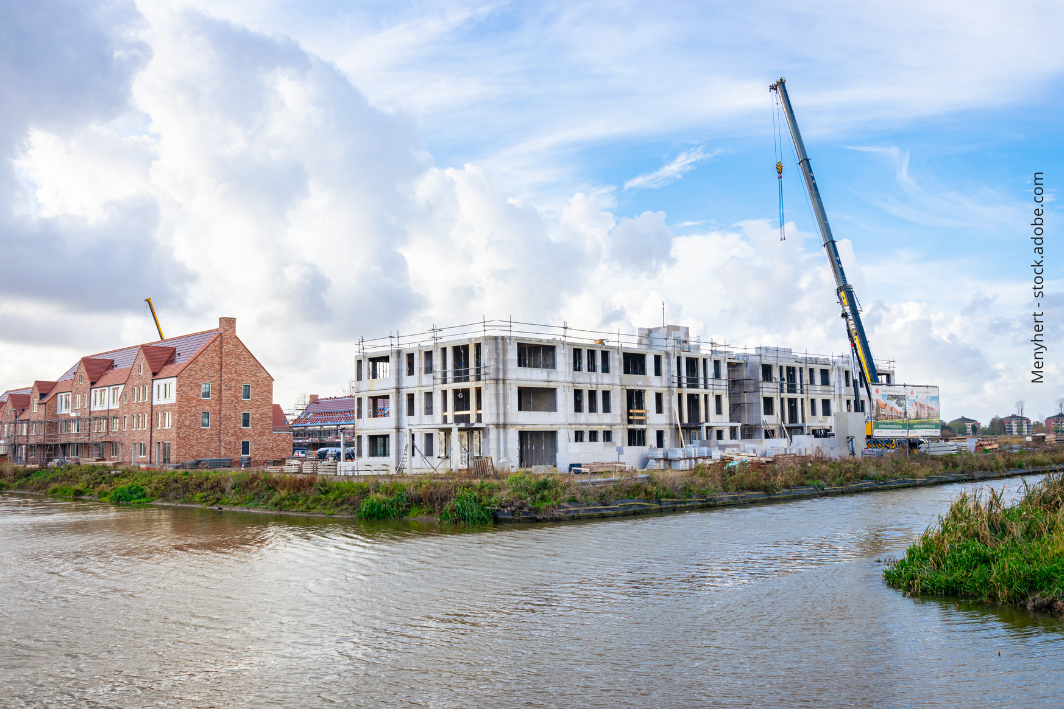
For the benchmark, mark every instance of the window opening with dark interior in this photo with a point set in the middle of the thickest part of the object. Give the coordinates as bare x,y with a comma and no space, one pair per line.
792,380
766,372
578,359
535,356
537,399
461,363
592,436
659,402
578,436
477,361
657,365
692,372
461,405
635,399
637,436
591,364
578,401
634,363
659,437
592,401
606,408
605,362
409,364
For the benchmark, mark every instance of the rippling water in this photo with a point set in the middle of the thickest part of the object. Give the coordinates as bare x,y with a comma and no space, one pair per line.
780,605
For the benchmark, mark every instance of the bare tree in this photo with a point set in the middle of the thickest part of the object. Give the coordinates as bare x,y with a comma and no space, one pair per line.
1060,405
1019,407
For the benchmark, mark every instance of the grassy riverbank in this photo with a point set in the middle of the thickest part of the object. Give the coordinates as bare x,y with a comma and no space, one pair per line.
982,548
460,499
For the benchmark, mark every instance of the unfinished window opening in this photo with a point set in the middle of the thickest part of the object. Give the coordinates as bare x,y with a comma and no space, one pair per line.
606,408
378,446
691,365
535,356
636,406
716,369
443,365
825,407
479,406
659,402
719,404
812,407
705,372
792,380
379,367
657,365
428,403
409,364
605,362
429,439
461,405
380,407
358,408
847,373
592,436
358,370
538,448
592,401
478,361
409,404
578,401
578,436
592,365
792,411
537,399
825,378
637,436
769,406
578,360
659,439
607,436
634,363
694,413
766,372
427,358
461,363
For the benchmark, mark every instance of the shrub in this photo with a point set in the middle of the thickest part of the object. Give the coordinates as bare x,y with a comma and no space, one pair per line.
467,509
382,507
129,493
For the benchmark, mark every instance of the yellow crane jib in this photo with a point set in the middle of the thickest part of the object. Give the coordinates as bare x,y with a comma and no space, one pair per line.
156,318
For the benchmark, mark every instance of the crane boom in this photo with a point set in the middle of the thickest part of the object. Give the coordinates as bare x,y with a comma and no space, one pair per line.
156,317
843,289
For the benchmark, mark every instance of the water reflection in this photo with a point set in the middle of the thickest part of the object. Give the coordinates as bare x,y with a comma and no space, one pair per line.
774,605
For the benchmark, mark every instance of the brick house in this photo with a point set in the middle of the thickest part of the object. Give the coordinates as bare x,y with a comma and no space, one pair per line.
196,396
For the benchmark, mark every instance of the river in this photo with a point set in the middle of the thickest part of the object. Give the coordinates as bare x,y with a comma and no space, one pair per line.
776,605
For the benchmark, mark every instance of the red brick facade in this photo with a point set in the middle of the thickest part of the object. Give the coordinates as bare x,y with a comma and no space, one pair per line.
146,405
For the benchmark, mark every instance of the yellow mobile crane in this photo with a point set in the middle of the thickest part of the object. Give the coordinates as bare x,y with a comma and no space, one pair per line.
156,318
851,310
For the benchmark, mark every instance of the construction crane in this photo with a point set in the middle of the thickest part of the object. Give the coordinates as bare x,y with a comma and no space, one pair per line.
156,317
851,309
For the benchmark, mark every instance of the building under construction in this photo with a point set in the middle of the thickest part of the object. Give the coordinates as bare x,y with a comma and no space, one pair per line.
528,395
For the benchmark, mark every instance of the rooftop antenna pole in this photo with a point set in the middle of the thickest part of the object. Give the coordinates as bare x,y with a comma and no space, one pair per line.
156,318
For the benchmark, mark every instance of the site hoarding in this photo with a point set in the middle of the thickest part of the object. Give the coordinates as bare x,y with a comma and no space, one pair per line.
902,411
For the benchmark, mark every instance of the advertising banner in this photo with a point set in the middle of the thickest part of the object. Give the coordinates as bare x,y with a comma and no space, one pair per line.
905,411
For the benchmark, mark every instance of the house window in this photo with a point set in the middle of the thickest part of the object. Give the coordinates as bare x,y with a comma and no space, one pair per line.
606,402
429,440
591,363
812,407
409,364
657,365
205,390
428,403
140,370
428,361
634,363
537,399
378,446
245,447
245,420
660,438
578,436
578,360
245,392
535,356
124,418
847,374
766,372
409,404
605,362
592,436
578,401
205,419
81,379
607,436
825,407
592,401
825,378
769,406
716,369
637,436
33,406
659,402
358,370
358,408
719,404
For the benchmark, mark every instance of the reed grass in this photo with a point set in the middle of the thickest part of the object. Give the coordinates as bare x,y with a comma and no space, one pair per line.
982,548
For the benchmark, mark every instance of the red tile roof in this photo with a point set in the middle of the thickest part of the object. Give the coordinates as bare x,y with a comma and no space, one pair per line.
156,356
43,388
95,367
186,348
328,412
114,376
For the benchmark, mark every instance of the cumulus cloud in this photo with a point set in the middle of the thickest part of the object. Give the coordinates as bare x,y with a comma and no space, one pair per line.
643,243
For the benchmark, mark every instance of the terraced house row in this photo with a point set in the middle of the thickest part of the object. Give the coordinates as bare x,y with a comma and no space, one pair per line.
194,397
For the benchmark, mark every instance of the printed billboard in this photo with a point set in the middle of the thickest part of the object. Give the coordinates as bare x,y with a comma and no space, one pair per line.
904,411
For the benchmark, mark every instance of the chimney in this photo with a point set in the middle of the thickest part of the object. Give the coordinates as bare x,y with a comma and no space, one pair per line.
227,325
311,398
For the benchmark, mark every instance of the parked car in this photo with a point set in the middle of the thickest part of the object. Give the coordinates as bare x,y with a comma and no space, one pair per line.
299,452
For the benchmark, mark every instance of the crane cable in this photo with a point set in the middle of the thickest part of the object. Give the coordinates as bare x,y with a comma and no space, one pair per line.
777,145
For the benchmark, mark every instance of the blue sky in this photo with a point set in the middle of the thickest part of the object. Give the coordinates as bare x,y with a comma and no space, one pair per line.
351,169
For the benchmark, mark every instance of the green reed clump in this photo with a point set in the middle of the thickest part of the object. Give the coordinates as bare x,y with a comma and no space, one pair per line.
467,509
381,507
129,493
982,548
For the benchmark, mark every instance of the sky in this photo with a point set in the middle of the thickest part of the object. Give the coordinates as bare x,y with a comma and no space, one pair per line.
326,171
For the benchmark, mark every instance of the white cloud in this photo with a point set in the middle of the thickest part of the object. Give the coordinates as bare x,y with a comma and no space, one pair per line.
670,171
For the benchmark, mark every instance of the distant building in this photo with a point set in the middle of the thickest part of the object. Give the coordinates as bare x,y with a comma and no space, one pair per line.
971,426
1017,425
1055,424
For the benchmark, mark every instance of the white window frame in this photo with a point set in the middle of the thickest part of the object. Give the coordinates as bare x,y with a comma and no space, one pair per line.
202,415
205,387
245,416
